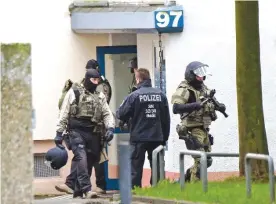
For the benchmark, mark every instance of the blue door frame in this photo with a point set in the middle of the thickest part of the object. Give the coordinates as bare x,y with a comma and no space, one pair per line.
112,184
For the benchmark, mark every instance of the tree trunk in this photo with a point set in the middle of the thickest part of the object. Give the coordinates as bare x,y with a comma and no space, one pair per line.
252,134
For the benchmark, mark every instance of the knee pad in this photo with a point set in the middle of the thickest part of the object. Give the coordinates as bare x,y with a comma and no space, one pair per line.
209,161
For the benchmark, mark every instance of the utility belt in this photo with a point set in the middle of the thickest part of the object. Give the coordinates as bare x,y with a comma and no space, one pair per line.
192,143
85,124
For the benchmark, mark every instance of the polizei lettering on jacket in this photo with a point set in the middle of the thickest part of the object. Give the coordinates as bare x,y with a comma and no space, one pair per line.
150,98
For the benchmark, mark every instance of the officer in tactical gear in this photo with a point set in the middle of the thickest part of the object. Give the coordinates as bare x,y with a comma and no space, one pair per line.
82,109
196,117
150,122
133,66
104,85
105,88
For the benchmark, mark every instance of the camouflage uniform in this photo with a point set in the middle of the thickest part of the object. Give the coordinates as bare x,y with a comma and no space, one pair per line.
92,106
102,87
196,124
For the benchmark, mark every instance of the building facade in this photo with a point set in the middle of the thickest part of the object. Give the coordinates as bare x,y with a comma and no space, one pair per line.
65,35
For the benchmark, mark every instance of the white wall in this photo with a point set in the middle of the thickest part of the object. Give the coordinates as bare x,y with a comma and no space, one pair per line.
209,36
57,53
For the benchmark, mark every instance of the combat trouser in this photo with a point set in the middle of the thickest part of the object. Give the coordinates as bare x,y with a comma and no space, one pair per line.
99,171
85,147
201,143
137,157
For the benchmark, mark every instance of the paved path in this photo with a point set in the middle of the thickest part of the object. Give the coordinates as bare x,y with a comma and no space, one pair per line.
69,200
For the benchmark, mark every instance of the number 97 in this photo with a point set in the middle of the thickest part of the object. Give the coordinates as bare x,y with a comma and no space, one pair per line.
163,18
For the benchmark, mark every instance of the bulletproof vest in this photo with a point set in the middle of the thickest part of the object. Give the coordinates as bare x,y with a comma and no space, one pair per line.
205,115
88,104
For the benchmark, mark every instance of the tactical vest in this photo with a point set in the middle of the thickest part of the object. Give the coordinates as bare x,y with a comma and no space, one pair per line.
205,115
88,105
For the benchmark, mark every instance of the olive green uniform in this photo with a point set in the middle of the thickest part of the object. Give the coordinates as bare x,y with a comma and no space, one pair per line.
196,125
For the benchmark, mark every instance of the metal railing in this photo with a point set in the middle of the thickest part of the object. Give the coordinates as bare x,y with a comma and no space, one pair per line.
203,166
160,152
250,156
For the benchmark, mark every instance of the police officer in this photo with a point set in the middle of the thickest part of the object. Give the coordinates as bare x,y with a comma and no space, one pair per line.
82,109
194,128
67,187
150,122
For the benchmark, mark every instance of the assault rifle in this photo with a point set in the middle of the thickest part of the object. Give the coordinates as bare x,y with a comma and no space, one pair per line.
208,98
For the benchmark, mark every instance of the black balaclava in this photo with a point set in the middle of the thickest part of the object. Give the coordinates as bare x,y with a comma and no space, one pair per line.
196,83
90,73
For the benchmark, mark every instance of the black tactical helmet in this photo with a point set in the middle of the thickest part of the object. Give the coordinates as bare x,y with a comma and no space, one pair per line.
57,157
194,69
92,73
92,64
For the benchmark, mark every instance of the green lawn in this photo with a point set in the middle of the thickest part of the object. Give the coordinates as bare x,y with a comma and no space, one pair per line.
226,192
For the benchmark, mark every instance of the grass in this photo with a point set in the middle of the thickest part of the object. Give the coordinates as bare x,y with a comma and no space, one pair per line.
231,191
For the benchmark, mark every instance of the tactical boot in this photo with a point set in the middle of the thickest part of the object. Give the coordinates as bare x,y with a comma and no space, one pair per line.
188,175
90,194
64,188
100,191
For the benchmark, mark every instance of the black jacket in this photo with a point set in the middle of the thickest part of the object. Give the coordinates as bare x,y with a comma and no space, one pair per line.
148,109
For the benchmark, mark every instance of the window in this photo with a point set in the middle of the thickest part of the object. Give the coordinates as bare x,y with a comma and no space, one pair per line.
40,169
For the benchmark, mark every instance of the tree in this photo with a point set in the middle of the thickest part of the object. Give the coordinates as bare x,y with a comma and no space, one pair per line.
16,123
252,133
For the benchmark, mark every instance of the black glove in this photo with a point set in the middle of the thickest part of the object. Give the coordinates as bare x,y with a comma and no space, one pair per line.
221,107
58,140
109,134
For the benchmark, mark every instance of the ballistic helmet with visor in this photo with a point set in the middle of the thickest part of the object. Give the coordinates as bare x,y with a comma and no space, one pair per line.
194,69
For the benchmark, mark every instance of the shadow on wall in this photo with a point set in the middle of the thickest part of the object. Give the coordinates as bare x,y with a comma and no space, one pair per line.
16,122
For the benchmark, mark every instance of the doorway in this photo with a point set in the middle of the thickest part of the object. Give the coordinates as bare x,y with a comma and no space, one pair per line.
113,61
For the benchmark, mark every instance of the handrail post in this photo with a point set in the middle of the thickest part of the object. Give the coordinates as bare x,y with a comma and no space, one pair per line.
155,152
247,164
203,167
